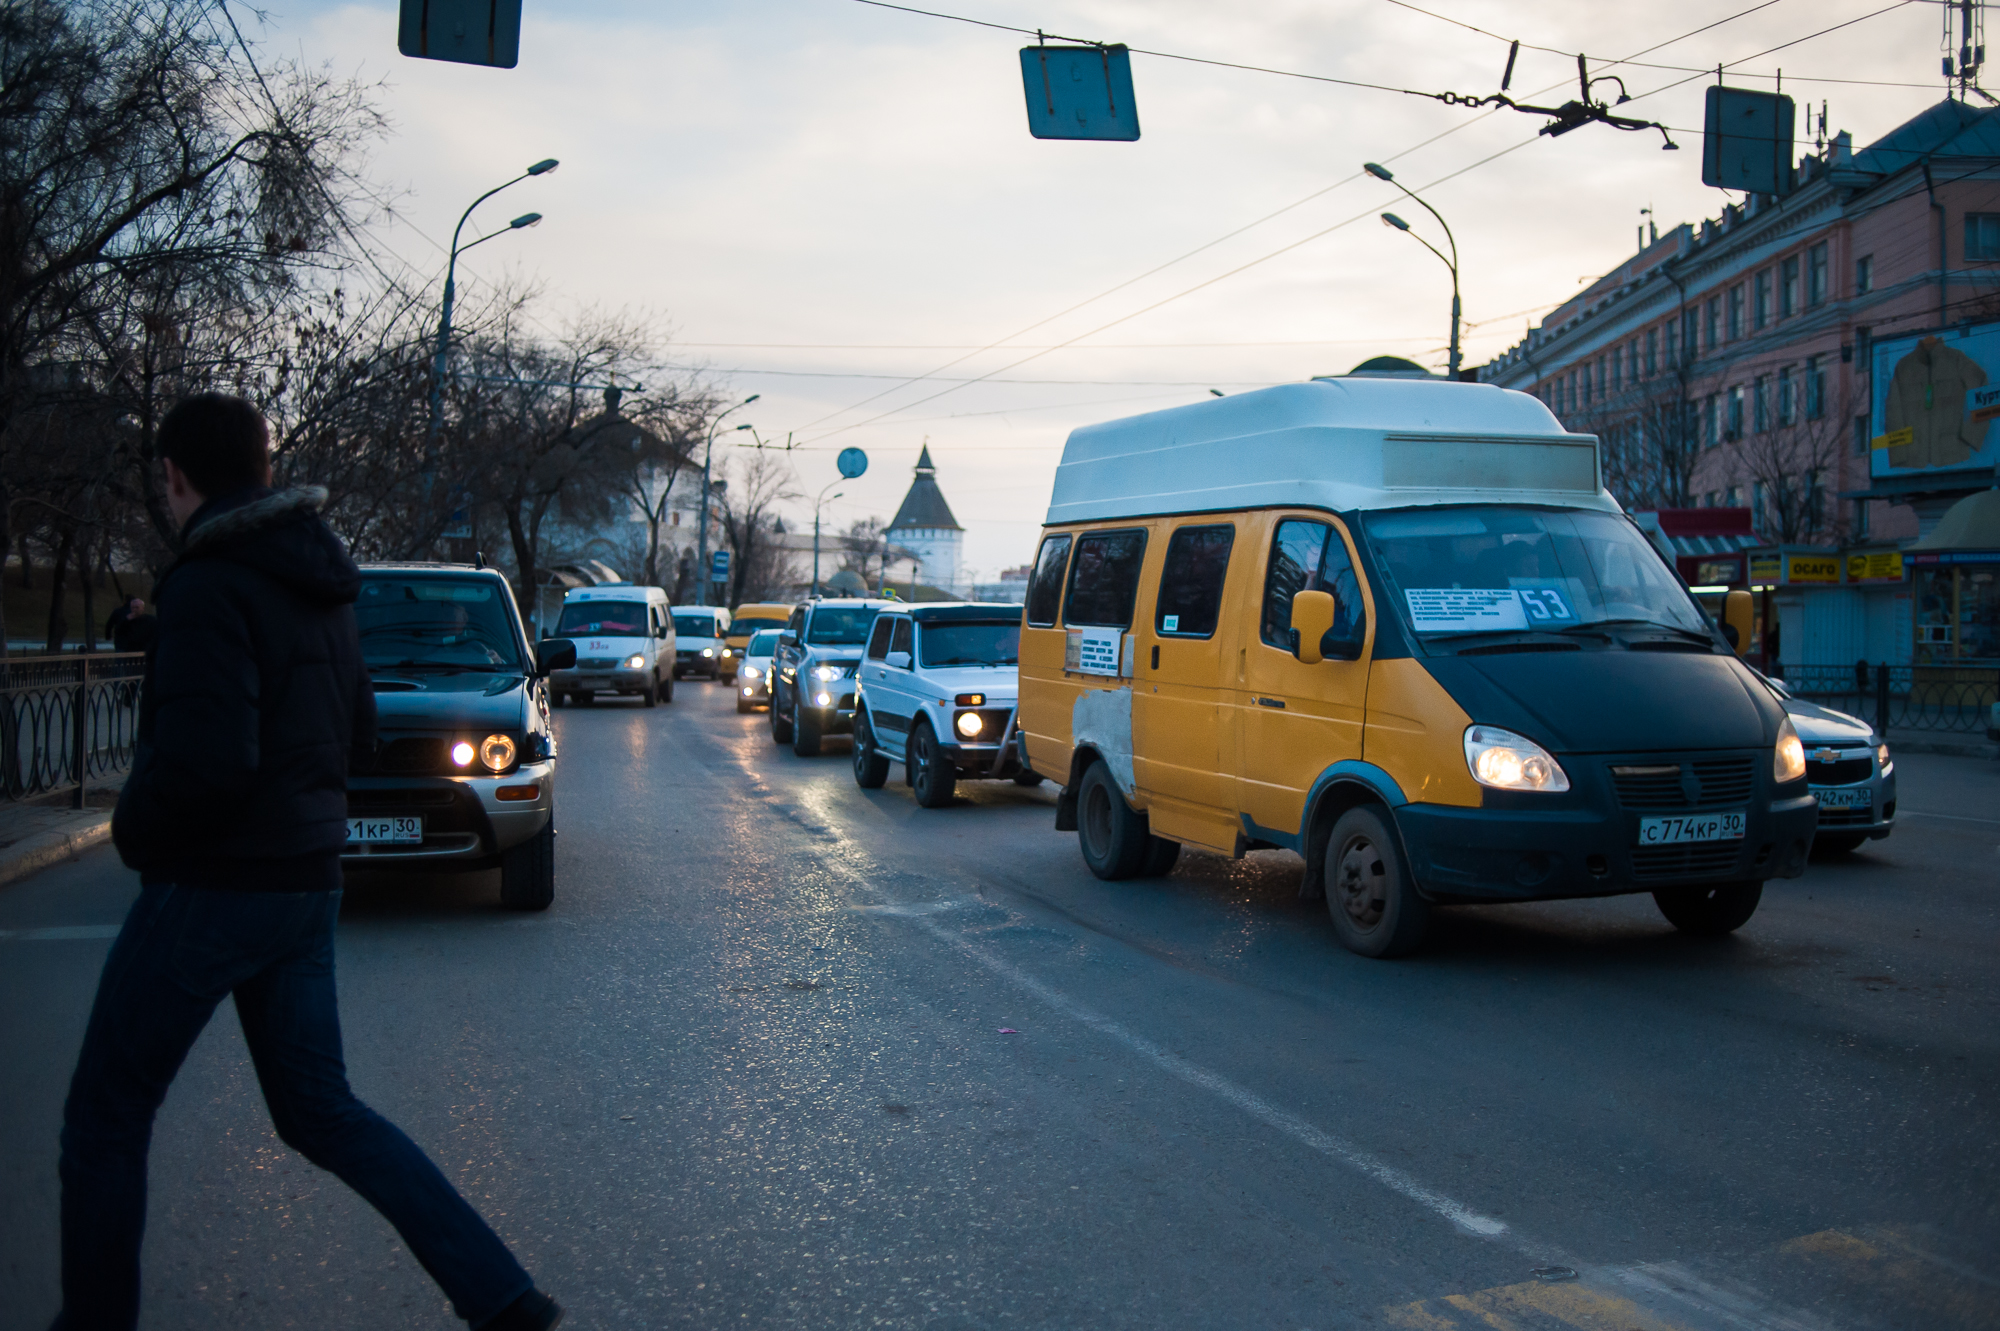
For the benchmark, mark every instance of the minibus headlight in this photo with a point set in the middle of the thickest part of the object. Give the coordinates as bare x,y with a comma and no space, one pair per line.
497,752
969,724
1789,762
708,651
635,662
1882,756
1507,761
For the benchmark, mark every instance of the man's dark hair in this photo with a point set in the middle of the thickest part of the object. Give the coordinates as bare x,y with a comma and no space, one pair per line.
219,442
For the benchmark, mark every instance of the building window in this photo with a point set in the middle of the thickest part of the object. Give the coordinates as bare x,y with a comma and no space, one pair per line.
1735,312
1761,313
1816,274
1756,504
1689,319
1708,425
1815,389
1785,396
1652,352
1735,427
1714,325
1760,404
1864,274
1788,287
1734,499
1861,436
1982,236
1860,518
1617,368
1864,352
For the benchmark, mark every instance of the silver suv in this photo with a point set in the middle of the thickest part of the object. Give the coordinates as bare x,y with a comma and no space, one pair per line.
812,679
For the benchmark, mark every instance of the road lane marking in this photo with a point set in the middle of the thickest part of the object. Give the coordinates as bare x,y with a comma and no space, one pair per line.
1948,817
60,933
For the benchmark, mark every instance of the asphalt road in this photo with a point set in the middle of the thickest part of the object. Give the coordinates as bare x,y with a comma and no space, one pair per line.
789,1054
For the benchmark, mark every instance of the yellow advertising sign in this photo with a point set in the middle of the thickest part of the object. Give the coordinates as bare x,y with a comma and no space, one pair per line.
1764,568
1812,568
1880,566
1894,439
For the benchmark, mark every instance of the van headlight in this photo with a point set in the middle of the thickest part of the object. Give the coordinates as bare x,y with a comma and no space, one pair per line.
635,662
497,752
1788,762
1507,761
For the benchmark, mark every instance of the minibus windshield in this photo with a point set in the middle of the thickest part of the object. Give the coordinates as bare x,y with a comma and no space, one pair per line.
694,626
615,619
1500,570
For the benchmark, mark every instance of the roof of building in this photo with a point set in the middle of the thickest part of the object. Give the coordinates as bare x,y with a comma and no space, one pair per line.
1335,444
924,505
1948,129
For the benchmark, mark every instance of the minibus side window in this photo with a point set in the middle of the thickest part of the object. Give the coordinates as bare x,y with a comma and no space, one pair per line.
1104,578
1309,557
878,639
1045,591
1191,584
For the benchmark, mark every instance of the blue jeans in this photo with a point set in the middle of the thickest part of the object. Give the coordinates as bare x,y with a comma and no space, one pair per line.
183,950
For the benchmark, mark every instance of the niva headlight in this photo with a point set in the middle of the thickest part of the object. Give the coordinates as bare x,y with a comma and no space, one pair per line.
1507,761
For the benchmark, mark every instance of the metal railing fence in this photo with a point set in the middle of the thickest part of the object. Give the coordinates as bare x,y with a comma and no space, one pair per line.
66,721
1957,699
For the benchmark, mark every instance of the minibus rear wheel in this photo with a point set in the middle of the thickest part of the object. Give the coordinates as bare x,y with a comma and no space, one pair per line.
1113,836
1710,911
1369,893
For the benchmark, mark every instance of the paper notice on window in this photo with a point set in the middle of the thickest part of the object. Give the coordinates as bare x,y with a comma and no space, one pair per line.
1488,609
1093,651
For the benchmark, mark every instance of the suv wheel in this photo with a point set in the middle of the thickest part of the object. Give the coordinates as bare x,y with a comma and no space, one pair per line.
871,769
805,729
781,720
528,872
931,774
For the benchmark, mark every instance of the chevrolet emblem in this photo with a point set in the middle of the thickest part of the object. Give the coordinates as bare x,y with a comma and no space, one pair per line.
1828,755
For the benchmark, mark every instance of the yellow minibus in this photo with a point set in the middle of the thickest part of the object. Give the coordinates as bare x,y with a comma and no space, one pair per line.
1398,626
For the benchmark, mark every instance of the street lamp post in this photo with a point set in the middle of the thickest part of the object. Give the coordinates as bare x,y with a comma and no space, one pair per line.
540,168
708,456
816,507
1390,219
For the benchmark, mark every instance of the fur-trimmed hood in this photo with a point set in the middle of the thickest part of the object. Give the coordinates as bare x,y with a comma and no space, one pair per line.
277,532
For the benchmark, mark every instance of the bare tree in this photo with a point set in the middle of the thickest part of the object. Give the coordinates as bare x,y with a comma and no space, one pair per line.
761,567
1788,466
867,551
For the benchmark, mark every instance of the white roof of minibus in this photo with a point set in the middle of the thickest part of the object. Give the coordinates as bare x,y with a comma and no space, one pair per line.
1337,444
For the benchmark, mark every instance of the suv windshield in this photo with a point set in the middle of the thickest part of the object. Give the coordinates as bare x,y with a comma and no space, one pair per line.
971,644
1489,569
621,619
694,626
841,625
448,623
764,642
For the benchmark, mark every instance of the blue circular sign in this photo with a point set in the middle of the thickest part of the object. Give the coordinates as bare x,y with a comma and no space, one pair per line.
852,462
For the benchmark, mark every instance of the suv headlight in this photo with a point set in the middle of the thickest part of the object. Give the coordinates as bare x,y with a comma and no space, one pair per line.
829,672
635,662
1788,762
1507,761
750,672
497,752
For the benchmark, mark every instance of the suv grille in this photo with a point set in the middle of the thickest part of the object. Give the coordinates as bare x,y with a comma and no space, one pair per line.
411,755
1717,781
1845,772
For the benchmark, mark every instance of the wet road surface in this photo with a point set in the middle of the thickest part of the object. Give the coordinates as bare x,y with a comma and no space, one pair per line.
785,1053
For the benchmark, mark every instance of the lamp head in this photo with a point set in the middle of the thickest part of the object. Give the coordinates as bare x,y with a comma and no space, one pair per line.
1390,219
1377,170
752,398
745,427
525,219
543,167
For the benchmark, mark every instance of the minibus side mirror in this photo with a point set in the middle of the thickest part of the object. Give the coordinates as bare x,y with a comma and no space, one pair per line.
1312,620
1739,620
555,654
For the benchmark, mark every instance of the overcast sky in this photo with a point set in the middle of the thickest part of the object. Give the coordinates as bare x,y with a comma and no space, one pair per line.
821,198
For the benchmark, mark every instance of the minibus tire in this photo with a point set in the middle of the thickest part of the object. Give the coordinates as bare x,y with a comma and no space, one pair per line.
1712,911
805,731
651,697
1370,896
1027,779
584,699
781,722
933,779
667,688
1111,834
871,769
1161,856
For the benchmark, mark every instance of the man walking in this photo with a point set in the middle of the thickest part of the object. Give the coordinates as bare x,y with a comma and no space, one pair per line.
235,815
130,628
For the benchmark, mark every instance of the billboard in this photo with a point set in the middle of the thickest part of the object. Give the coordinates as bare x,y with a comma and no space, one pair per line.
1936,396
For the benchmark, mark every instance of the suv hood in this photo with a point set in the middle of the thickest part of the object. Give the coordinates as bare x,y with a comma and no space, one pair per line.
433,700
993,681
1615,701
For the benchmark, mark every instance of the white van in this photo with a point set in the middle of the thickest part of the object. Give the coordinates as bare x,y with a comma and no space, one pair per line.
701,630
624,637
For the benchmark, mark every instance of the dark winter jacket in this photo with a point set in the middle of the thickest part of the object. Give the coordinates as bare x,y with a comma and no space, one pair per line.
255,692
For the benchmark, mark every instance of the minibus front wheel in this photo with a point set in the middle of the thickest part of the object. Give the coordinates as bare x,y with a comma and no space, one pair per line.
1369,893
1710,911
1114,837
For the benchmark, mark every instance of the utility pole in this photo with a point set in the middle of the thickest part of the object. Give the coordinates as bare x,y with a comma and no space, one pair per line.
707,459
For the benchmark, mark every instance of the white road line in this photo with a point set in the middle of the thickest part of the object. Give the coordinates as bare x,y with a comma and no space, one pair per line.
59,933
1948,817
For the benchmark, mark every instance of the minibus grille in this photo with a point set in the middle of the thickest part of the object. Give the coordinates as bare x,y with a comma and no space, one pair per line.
597,663
1714,782
1653,862
1726,780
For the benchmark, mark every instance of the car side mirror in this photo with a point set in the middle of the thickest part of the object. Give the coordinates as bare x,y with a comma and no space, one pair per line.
788,639
1312,620
1739,619
900,660
555,654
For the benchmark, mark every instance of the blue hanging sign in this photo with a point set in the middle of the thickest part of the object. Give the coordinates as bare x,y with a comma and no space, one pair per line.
718,566
852,462
467,32
1079,92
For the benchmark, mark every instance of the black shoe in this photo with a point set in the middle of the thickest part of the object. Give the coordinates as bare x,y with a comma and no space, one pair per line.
533,1311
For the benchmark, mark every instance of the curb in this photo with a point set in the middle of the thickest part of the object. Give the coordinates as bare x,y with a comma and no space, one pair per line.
30,855
1953,748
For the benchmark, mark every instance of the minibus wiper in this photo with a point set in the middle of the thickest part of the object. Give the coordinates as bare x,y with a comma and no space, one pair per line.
1690,635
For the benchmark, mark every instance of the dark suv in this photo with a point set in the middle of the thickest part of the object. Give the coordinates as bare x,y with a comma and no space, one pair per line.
813,676
463,771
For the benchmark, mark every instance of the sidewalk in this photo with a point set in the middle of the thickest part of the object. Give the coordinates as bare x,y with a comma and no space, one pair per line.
1959,744
34,836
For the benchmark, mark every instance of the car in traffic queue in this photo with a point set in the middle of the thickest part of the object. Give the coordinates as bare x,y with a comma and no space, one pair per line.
819,651
753,674
699,633
463,772
624,636
1849,771
936,693
745,620
1400,627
